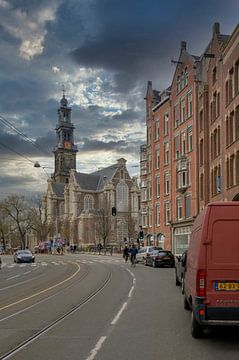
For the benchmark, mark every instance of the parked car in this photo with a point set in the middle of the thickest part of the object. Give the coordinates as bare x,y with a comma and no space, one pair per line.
211,281
159,258
180,264
144,252
23,256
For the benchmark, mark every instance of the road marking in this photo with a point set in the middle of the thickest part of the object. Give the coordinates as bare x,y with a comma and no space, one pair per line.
12,277
130,292
119,314
97,347
42,291
27,272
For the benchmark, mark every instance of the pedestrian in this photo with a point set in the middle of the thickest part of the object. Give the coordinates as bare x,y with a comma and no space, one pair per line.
126,253
99,247
133,252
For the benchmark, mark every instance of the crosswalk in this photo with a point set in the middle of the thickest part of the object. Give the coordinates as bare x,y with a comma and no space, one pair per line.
60,262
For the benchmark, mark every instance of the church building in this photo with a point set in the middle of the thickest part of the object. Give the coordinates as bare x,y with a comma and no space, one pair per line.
87,209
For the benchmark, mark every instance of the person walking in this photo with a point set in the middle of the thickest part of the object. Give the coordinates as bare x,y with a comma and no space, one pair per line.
126,253
133,252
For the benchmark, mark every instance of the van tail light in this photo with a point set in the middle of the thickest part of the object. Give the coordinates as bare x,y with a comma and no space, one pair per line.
201,283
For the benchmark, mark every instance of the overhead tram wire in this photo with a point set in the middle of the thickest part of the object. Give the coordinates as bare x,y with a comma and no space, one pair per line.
16,152
11,126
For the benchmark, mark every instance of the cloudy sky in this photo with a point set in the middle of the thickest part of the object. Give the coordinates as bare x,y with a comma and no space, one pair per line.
104,52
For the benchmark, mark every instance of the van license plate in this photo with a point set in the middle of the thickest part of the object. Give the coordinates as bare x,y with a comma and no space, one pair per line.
227,285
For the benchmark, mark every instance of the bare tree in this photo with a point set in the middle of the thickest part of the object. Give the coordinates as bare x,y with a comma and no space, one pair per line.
17,210
5,228
38,222
103,226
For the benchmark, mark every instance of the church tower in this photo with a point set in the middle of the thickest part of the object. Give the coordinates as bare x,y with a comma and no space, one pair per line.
65,150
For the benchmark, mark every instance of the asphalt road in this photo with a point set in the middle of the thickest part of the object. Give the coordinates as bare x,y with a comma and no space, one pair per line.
89,307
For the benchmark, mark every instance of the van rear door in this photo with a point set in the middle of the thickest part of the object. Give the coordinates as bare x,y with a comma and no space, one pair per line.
222,248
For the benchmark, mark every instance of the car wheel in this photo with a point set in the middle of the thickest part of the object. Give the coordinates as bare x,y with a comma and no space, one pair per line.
196,328
186,304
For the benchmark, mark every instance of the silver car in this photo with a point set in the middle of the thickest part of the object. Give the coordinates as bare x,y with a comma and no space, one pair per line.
23,256
146,251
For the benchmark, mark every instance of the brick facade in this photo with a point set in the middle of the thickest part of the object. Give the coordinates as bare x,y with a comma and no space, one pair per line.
192,152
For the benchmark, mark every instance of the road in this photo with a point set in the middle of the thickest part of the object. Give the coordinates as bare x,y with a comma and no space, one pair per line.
87,307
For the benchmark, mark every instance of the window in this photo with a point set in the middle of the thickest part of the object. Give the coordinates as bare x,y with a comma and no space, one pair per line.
179,208
157,130
176,147
157,219
190,104
186,76
166,124
167,212
166,183
88,203
183,110
157,159
166,153
122,196
183,143
190,138
144,194
158,186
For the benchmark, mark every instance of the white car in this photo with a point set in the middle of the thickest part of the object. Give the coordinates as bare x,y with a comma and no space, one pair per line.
145,251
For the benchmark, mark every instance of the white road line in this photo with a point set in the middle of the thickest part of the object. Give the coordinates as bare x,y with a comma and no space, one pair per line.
27,272
12,277
97,347
119,314
131,291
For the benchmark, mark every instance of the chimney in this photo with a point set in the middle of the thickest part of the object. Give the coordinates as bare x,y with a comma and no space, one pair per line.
216,28
183,45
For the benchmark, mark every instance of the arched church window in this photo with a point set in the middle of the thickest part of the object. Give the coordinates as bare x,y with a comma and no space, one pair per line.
88,202
122,196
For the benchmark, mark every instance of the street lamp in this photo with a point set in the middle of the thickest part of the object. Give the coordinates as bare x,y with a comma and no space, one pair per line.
38,165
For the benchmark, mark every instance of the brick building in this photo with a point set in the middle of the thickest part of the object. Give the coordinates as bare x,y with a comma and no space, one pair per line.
192,148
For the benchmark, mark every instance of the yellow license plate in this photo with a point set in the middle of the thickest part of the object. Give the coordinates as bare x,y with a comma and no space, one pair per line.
227,286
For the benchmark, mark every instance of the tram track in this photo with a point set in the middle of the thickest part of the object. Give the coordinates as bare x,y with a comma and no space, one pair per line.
52,324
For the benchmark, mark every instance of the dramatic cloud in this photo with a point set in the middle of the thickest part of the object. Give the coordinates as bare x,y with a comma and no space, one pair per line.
104,52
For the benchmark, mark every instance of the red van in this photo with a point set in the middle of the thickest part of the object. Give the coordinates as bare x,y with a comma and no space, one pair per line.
211,283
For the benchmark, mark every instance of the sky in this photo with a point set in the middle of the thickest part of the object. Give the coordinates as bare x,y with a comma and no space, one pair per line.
103,52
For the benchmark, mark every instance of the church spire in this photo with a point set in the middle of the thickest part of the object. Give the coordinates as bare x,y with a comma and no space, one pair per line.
65,149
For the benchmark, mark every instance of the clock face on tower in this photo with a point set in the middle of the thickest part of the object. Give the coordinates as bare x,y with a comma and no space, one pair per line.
67,145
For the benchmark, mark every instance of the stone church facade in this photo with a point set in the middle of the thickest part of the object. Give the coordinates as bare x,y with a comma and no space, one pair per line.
78,206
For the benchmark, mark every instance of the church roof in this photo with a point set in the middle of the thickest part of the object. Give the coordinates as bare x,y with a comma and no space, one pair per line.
87,181
96,180
58,189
